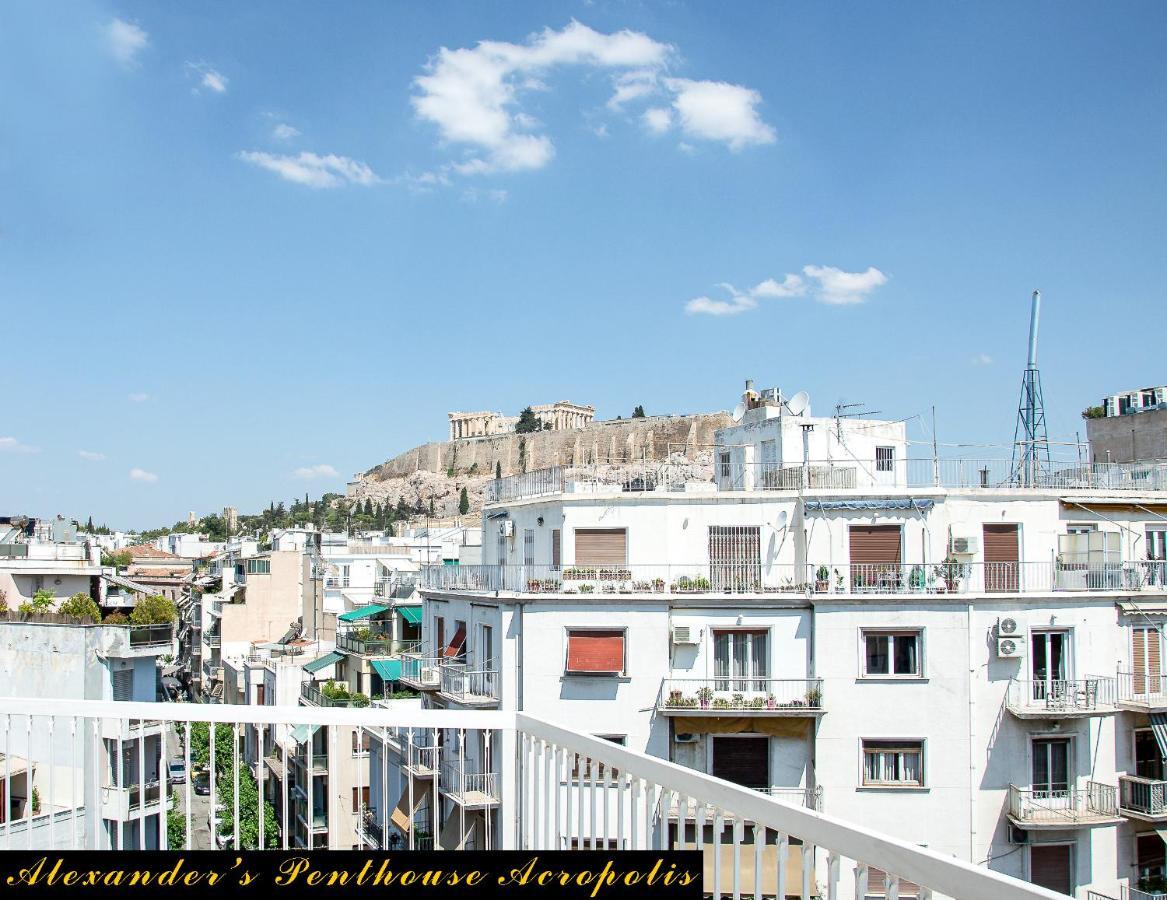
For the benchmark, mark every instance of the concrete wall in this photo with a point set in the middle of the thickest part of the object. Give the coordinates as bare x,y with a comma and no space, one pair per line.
1138,436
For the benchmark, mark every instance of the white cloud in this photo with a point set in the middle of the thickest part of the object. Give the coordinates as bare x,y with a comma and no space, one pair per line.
601,130
313,171
982,359
139,398
125,40
473,195
717,111
318,471
285,132
632,86
91,455
840,288
12,445
824,283
143,475
471,94
658,120
209,78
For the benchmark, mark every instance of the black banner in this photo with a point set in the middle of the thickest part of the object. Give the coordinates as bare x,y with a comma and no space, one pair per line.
297,875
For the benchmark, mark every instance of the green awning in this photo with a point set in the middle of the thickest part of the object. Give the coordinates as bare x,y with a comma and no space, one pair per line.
388,669
301,733
411,614
324,662
363,613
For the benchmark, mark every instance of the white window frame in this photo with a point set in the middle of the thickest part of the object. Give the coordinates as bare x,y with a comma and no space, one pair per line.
885,459
892,633
893,785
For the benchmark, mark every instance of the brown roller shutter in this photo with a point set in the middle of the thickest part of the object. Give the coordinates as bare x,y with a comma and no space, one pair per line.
875,557
742,760
595,651
1146,666
601,546
1049,867
1001,558
555,543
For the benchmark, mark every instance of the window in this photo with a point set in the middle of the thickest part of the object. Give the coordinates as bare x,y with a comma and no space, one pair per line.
595,652
735,557
740,660
259,567
485,644
893,763
894,654
502,549
360,798
456,649
601,546
742,760
259,695
877,884
885,459
723,465
556,541
361,744
528,546
1051,766
596,770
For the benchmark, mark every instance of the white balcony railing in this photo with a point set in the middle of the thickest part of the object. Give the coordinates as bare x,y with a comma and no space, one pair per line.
1147,690
1054,697
1067,808
477,684
752,579
539,805
752,696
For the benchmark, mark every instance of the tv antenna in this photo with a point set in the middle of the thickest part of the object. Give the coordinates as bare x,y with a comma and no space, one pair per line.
1030,438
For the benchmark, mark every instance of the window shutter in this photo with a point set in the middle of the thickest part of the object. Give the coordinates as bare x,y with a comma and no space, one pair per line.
1049,867
875,545
556,537
1001,558
744,761
123,684
595,651
601,546
456,643
877,882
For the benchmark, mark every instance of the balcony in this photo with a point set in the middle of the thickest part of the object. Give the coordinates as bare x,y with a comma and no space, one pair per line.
808,798
1142,692
835,856
1061,698
470,790
469,685
750,697
421,672
337,696
214,640
812,580
1077,808
1142,798
365,643
120,803
129,641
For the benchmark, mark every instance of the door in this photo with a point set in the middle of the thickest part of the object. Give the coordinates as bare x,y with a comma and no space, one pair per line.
1049,654
1051,773
1148,758
735,558
875,557
1049,867
1156,554
885,466
742,760
1146,664
1002,556
740,661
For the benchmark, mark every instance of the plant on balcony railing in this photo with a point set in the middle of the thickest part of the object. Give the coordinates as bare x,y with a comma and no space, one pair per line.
332,690
678,700
706,698
687,585
950,572
596,573
544,585
822,580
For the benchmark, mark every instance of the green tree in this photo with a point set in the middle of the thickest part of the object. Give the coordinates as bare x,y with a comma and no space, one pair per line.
638,413
522,454
431,506
1094,412
463,503
82,606
527,422
89,525
249,802
153,610
497,470
176,829
213,527
119,560
42,602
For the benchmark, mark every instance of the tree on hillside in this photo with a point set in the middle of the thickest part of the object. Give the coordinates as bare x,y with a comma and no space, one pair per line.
638,413
527,422
497,470
89,525
463,503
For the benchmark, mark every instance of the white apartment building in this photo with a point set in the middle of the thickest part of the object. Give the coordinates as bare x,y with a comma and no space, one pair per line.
914,644
48,556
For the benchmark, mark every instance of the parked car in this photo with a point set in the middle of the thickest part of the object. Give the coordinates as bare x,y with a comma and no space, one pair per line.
201,784
177,771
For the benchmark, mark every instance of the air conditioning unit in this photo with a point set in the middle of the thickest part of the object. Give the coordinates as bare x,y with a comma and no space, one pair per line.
965,545
1009,647
507,528
684,737
1006,627
683,635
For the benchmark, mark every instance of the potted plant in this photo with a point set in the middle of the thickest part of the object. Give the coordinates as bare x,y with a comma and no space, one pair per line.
658,585
771,701
737,701
950,571
822,579
916,580
838,581
704,695
586,588
814,697
675,699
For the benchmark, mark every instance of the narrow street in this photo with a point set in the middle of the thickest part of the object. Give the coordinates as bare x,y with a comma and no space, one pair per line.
200,806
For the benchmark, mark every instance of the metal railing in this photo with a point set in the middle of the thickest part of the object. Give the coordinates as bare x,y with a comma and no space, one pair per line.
779,578
373,644
467,787
421,670
1145,689
151,635
539,807
470,684
1059,695
317,697
1147,796
536,483
1063,807
758,695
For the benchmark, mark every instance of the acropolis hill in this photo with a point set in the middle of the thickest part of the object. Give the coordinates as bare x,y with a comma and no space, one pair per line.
441,468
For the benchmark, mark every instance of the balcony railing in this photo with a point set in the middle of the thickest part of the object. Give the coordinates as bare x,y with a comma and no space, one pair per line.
1069,808
151,635
374,644
1058,698
741,696
1146,797
753,579
470,684
1144,690
810,798
421,671
538,809
310,693
468,788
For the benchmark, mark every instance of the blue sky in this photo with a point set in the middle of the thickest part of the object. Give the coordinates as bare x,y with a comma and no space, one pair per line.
243,246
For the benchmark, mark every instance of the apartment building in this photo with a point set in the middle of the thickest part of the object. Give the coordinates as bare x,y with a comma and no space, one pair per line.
37,555
46,797
916,644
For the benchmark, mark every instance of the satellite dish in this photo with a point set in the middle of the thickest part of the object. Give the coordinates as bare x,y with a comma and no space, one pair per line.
797,404
738,412
782,517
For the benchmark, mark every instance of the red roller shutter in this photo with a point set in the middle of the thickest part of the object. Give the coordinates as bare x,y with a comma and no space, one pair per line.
1002,554
601,546
456,643
595,651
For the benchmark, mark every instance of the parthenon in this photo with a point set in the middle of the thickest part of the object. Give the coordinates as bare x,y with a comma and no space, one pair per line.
560,416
